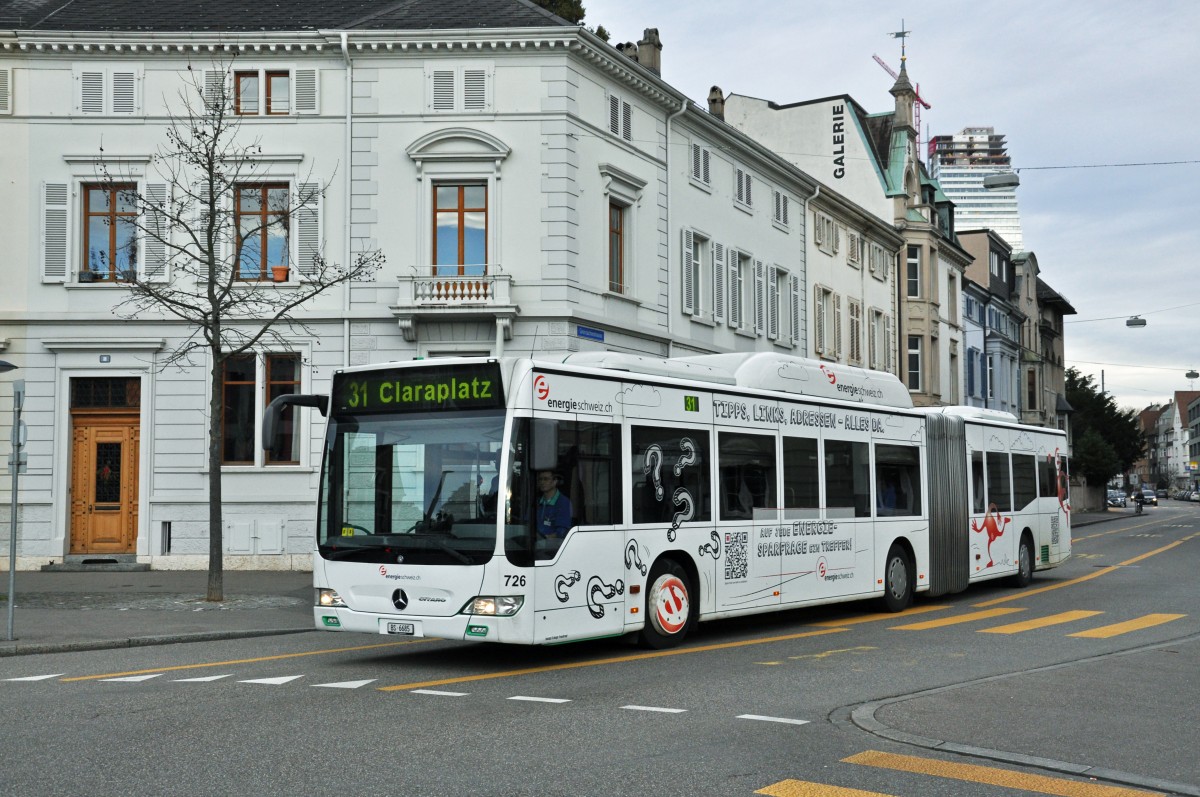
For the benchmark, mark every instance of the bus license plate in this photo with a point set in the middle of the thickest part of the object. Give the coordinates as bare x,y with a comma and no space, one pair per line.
403,629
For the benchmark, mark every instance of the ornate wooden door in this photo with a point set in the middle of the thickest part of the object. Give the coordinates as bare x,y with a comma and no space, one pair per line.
104,484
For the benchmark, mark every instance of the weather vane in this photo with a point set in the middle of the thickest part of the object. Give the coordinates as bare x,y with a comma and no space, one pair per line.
901,34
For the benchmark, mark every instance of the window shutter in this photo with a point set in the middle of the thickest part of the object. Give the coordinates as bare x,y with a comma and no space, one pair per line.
818,320
308,229
55,197
91,92
216,91
475,90
626,121
837,325
614,115
855,353
749,190
785,210
442,92
740,177
735,288
773,305
889,352
760,320
837,235
705,176
124,92
970,372
695,161
306,92
718,282
689,290
156,230
818,229
5,91
794,306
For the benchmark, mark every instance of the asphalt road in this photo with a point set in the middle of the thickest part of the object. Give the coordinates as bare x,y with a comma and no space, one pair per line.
1082,684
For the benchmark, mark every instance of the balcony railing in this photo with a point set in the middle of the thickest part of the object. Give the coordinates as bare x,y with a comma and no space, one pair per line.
428,296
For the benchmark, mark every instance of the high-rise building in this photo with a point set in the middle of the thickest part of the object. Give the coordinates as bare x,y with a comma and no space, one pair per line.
959,163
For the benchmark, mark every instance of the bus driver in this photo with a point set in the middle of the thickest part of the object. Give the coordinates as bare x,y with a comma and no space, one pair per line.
553,508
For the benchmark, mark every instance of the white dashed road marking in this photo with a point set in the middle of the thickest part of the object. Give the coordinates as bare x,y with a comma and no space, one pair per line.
37,677
283,679
205,680
438,692
132,678
659,709
761,718
540,699
347,684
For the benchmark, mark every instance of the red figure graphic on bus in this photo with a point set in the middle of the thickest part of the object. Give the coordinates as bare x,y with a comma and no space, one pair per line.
1060,478
994,529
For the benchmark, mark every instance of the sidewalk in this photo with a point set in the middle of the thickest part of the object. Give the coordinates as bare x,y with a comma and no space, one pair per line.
57,612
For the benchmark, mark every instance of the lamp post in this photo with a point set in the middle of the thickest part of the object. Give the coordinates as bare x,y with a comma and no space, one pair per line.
14,465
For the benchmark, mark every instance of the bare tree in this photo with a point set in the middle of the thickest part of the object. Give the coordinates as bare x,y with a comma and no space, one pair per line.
212,222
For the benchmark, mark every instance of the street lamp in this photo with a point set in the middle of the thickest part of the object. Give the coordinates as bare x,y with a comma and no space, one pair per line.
14,465
1135,321
993,182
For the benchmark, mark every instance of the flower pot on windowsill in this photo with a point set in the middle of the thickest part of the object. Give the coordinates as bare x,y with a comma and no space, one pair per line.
89,276
279,273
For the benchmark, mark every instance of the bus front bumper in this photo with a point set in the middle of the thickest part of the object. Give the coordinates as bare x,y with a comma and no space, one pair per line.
459,626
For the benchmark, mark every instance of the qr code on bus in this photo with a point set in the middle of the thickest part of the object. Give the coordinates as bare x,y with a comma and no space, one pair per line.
735,554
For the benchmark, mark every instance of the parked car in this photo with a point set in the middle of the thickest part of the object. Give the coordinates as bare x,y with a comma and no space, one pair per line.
1116,498
1161,492
1149,497
1195,496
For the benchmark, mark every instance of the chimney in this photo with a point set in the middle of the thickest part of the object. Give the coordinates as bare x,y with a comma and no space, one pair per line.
716,103
628,49
649,52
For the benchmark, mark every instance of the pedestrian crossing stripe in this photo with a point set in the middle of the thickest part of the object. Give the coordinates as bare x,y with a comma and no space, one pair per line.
37,677
1040,622
1147,621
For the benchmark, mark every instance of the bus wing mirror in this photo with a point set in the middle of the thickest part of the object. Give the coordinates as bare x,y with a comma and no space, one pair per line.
274,412
545,445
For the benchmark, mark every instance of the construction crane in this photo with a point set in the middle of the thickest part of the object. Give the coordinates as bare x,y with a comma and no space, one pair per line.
918,104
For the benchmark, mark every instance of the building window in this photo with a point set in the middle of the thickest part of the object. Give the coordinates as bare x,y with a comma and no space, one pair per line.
616,248
1031,395
914,272
460,230
914,362
697,275
782,211
110,240
827,323
256,92
879,339
700,165
742,188
952,299
263,220
855,354
620,118
991,376
242,411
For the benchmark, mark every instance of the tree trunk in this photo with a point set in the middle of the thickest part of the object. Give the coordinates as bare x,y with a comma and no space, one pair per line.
216,572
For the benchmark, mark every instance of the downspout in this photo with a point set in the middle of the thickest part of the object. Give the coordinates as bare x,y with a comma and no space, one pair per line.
804,292
670,260
348,201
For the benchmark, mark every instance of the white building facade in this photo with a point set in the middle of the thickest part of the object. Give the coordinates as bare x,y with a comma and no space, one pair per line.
959,163
533,190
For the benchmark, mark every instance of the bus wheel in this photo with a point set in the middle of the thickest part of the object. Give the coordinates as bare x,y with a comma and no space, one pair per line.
897,580
1024,573
669,613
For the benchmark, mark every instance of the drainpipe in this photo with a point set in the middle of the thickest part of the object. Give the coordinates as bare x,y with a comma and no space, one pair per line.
805,293
670,236
349,177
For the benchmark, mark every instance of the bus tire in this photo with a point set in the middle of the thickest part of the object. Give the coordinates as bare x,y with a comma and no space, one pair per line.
897,580
670,606
1024,573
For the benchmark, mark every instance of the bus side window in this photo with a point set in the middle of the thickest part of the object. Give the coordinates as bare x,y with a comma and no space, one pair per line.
977,486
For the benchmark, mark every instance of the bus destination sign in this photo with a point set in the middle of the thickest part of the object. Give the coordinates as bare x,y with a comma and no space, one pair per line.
432,388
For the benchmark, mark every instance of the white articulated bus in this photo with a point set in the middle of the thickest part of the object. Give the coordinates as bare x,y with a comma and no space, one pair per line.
537,502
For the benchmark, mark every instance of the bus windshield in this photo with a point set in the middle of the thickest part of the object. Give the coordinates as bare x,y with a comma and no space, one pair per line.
413,488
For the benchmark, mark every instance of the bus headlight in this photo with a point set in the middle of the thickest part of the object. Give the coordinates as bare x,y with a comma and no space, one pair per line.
330,598
494,605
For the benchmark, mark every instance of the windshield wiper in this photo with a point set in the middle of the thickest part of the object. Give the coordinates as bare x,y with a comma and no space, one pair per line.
442,545
331,552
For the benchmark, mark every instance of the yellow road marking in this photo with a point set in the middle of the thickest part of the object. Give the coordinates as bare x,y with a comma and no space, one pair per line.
992,776
1116,629
962,618
613,660
801,788
232,662
828,653
870,618
1041,622
1025,593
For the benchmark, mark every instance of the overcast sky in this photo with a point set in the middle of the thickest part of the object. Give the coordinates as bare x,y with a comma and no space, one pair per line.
1070,83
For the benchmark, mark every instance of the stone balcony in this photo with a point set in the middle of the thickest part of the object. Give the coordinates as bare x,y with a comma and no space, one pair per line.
424,297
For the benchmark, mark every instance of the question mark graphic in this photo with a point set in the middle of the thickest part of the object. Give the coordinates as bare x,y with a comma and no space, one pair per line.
632,559
561,582
714,547
681,498
654,460
689,455
607,591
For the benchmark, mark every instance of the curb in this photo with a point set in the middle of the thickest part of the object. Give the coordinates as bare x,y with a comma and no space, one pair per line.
36,648
863,717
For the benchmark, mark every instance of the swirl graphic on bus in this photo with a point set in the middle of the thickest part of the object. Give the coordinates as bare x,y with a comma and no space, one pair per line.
561,582
713,547
681,498
689,454
607,591
633,558
653,467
